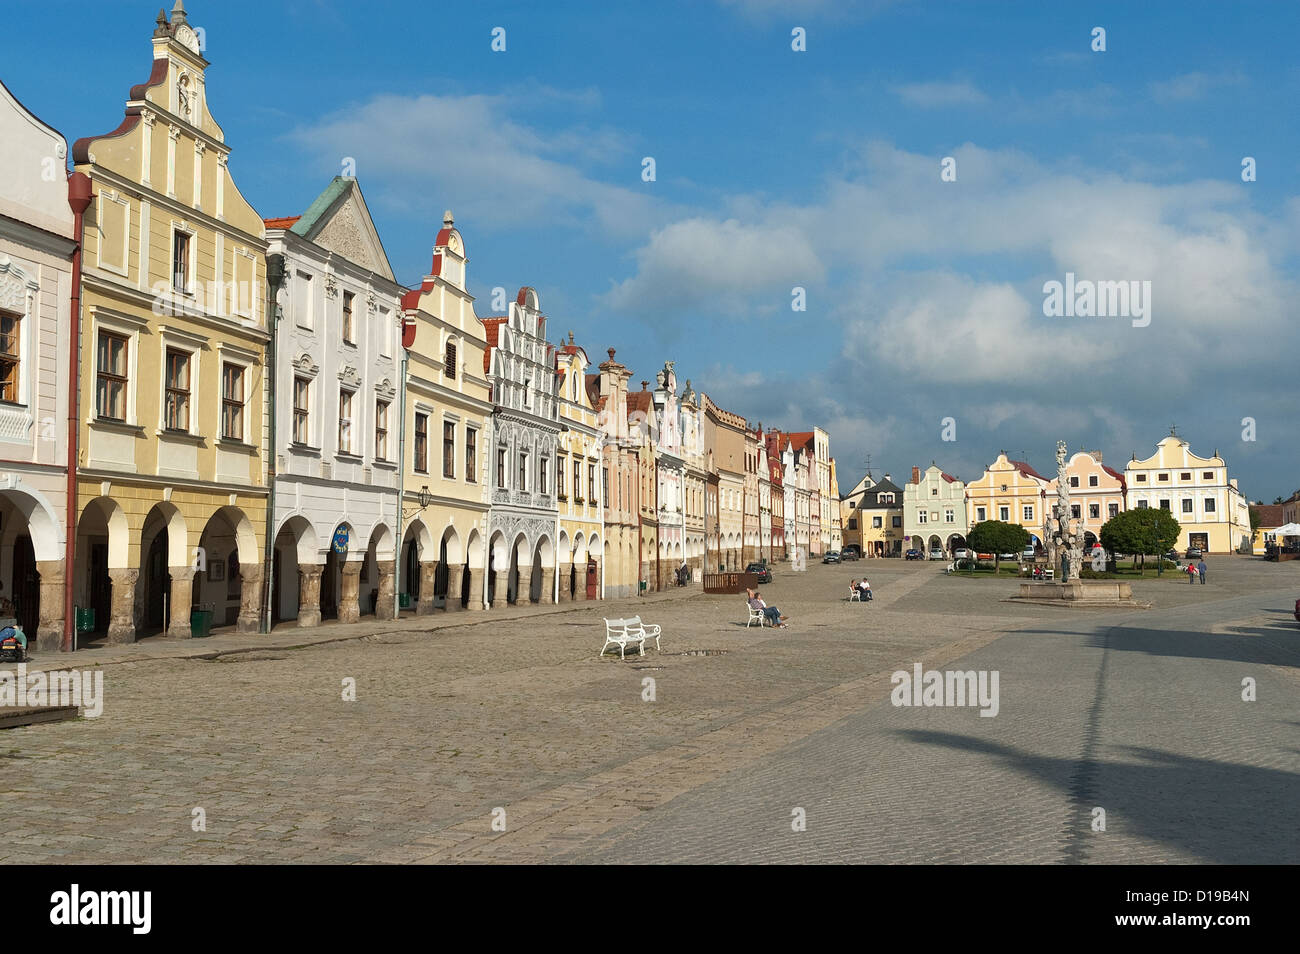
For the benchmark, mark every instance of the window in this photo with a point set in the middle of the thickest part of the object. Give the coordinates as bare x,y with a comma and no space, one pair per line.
604,486
110,379
934,491
301,406
541,475
448,449
10,357
1112,510
1074,481
1092,480
1164,504
560,487
1142,478
924,517
522,483
1207,475
949,515
1074,511
180,261
422,443
577,481
349,330
1184,476
1187,505
345,421
853,523
1209,505
1094,511
471,454
1004,514
501,468
1142,505
381,430
1164,478
232,402
1029,513
449,361
176,408
897,521
528,392
877,523
591,483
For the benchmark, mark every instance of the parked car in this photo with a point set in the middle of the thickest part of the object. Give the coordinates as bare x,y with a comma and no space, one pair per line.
1193,553
832,556
761,570
936,554
1029,554
914,555
848,553
961,553
1006,556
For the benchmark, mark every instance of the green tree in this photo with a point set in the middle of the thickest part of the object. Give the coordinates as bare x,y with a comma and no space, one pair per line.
1255,521
996,537
1146,531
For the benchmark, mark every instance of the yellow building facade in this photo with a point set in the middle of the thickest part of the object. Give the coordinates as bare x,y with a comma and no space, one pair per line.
1009,491
582,482
1213,513
171,488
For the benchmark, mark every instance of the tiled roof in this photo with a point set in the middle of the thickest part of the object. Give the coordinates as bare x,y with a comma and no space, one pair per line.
284,222
949,477
1025,469
639,401
490,326
1270,515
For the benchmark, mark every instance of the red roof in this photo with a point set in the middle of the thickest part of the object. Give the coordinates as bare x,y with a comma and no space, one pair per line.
1025,469
285,222
1270,515
490,326
639,401
801,439
948,477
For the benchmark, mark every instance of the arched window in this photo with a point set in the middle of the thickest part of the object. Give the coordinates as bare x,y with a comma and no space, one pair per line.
449,361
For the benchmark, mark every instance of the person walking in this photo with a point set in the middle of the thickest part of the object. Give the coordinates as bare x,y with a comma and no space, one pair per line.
1191,573
1200,570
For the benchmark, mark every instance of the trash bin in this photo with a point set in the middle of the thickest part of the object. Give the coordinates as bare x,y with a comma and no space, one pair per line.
201,620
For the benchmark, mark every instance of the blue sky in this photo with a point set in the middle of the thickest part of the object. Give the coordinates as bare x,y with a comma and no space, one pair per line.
817,169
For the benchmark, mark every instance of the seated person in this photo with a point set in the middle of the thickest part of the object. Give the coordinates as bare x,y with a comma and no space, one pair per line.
865,589
771,612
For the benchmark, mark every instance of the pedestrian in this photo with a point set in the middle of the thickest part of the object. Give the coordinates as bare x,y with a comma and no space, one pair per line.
1191,573
1200,569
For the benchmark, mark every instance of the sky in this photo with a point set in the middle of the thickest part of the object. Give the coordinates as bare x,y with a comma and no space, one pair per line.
923,334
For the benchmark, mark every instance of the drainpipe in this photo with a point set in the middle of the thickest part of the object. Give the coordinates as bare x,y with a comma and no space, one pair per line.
407,341
274,278
79,196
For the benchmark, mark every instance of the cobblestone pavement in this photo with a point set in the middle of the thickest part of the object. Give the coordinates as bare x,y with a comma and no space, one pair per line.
1137,713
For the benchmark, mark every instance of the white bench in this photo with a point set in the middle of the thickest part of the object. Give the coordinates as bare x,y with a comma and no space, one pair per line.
855,596
646,631
619,633
950,568
755,616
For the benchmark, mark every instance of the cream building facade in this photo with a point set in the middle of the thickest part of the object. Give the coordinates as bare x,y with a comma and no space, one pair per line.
934,511
621,461
1214,514
1097,493
1009,491
582,481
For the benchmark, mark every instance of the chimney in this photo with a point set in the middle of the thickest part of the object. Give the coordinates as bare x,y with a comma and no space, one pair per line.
916,475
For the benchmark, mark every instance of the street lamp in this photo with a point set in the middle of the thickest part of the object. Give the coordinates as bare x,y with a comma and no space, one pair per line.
424,497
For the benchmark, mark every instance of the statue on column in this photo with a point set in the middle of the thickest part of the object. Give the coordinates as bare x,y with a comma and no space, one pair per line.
1062,531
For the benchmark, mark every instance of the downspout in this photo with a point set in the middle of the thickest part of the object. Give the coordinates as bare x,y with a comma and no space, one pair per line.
401,469
79,196
274,278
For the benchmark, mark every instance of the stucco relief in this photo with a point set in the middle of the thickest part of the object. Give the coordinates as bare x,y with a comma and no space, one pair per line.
344,235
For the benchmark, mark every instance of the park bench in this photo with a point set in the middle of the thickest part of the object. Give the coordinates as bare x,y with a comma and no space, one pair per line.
855,595
646,630
950,568
619,632
755,616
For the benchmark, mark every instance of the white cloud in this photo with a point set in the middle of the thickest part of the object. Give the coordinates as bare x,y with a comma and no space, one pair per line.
941,94
1191,86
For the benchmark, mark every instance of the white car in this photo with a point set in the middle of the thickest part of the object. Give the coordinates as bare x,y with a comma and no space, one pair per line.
961,553
936,554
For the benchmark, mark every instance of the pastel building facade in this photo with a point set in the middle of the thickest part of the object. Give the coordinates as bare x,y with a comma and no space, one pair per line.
1097,493
620,460
582,482
934,511
1009,491
1213,513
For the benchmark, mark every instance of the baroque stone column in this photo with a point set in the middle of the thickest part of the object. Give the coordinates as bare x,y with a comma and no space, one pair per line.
250,599
475,589
387,589
548,584
565,569
49,630
309,594
121,621
182,597
525,591
350,592
502,589
455,576
428,572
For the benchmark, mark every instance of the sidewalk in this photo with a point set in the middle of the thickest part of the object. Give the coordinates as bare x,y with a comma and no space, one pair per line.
288,636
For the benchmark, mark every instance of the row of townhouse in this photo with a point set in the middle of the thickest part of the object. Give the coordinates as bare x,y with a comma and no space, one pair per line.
202,409
935,510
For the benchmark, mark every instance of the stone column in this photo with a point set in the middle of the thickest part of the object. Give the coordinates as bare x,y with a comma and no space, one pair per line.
250,599
179,605
502,589
565,569
548,584
475,589
121,621
49,630
580,583
309,594
600,571
525,592
455,576
350,592
387,589
428,571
